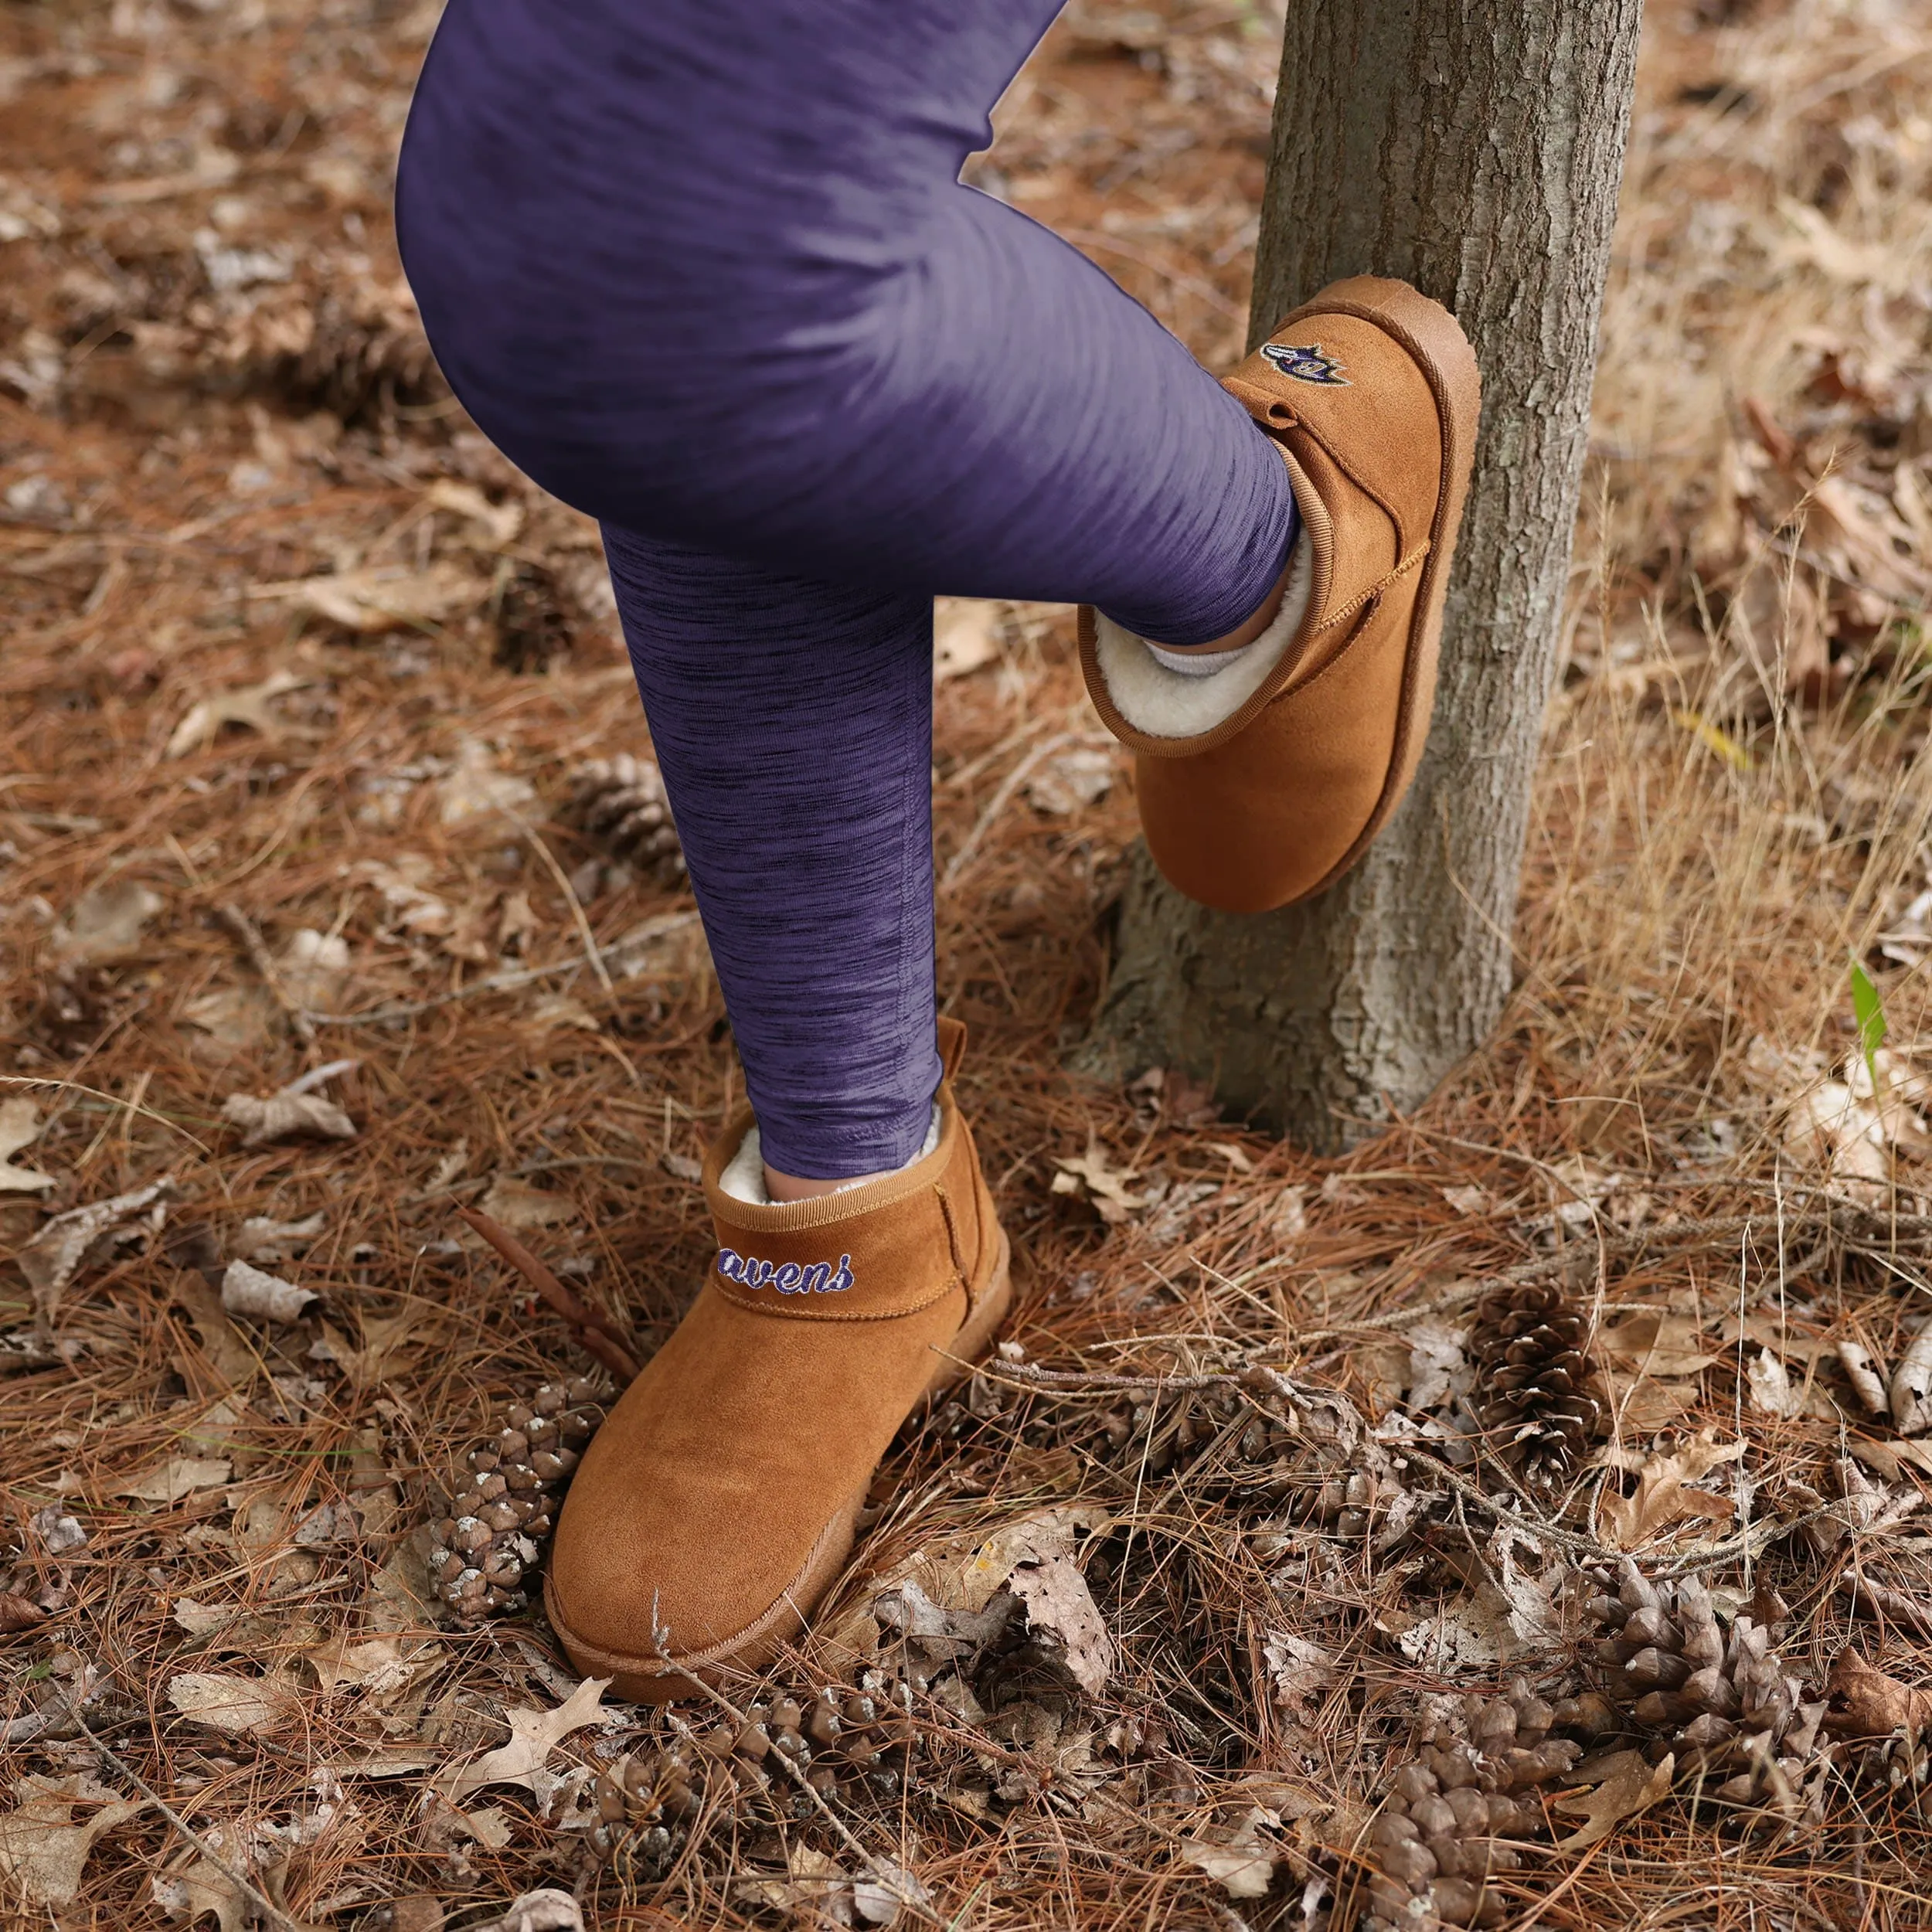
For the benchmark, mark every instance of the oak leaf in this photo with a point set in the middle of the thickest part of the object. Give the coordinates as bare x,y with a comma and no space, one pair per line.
534,1734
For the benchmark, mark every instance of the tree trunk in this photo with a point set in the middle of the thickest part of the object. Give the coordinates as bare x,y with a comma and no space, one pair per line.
1473,149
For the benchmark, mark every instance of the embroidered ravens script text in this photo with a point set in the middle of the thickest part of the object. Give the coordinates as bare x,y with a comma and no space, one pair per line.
821,1278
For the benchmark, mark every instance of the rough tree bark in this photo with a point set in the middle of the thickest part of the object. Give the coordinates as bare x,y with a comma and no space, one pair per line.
1473,149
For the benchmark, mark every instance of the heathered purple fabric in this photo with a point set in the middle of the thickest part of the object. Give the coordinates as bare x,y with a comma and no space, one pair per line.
704,269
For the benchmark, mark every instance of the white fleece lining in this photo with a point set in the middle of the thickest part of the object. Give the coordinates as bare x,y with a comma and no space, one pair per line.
744,1177
1172,704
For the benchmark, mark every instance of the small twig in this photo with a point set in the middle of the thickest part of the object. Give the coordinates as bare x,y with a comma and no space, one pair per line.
246,930
1750,1542
597,1335
569,892
1078,1381
1746,1545
259,1901
320,1077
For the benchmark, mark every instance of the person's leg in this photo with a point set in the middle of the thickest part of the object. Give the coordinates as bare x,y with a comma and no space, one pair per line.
705,269
793,723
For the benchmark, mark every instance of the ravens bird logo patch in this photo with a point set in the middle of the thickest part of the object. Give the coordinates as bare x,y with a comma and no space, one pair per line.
1305,364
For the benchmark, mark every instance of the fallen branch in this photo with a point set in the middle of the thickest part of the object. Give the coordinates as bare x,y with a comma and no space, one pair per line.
596,1335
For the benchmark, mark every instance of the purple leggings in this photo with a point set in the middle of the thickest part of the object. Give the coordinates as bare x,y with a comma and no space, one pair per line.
704,270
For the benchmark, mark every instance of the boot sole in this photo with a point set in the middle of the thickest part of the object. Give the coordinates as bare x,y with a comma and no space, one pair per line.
1435,341
643,1681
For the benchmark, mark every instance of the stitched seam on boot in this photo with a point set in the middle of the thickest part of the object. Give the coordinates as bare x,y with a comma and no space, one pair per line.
1369,598
1375,590
952,1241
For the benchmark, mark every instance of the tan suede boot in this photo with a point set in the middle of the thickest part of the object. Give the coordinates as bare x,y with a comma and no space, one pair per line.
1263,782
717,1503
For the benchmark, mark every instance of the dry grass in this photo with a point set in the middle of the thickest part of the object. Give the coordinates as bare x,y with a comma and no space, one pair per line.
1733,805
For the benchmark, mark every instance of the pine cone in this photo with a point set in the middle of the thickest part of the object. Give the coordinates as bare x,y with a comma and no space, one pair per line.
487,1544
1738,1725
1473,1785
1536,1388
622,802
849,1743
531,620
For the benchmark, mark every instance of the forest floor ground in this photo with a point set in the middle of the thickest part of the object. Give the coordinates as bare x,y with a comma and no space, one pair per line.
300,682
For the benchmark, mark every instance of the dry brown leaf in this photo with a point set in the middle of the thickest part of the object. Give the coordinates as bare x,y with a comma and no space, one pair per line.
19,1127
1647,1406
1847,1127
534,1734
546,1910
879,1898
177,1476
1658,1345
51,1260
385,597
1866,1703
381,1336
1891,1459
499,523
815,1890
379,1667
230,1023
1080,776
414,908
1470,1633
1910,1394
474,789
1091,1176
245,1706
262,1238
266,1298
1041,1538
1631,1784
1773,1392
250,706
203,1888
57,1532
1061,1613
314,968
516,1204
17,1614
966,635
1300,1673
296,1112
43,1851
107,923
1242,1863
1664,1496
